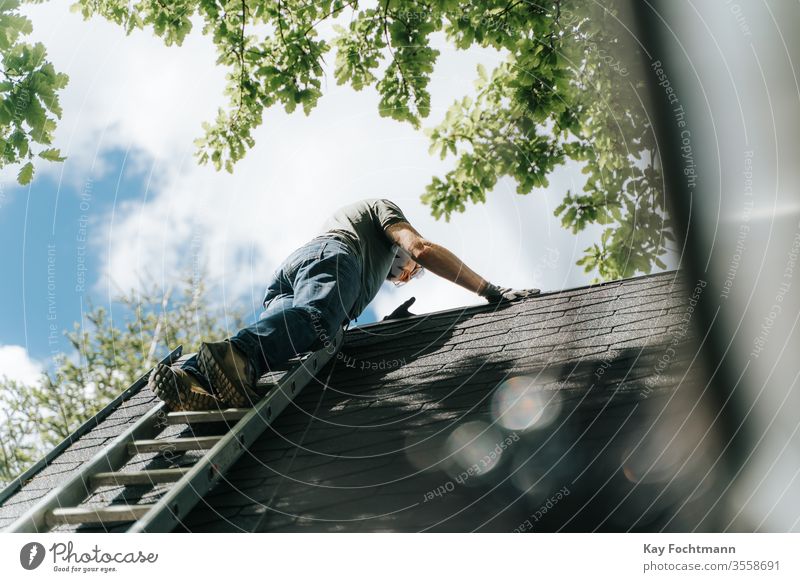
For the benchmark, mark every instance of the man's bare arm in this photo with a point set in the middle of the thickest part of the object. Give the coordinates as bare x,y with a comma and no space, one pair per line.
436,258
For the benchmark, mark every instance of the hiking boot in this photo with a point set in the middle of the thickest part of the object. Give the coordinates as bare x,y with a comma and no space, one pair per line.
230,374
180,390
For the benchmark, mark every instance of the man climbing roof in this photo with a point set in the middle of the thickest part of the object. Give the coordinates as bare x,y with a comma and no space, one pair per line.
318,288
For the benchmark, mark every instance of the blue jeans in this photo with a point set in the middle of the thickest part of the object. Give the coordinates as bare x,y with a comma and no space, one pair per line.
311,295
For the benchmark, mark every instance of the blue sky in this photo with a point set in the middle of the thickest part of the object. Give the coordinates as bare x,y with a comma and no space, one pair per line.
131,112
53,257
56,235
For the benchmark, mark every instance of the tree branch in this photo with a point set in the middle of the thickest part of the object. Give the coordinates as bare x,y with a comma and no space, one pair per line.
331,13
405,83
240,55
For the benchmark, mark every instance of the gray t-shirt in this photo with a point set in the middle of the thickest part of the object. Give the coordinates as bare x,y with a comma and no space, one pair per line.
361,226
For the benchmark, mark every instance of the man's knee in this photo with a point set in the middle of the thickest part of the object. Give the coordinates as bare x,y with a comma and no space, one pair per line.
323,326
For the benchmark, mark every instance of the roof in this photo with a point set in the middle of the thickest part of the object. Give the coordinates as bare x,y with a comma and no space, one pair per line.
557,412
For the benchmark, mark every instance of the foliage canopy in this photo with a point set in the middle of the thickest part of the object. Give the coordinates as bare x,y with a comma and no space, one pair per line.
565,92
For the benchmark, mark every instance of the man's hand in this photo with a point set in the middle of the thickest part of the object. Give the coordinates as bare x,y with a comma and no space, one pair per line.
401,311
494,294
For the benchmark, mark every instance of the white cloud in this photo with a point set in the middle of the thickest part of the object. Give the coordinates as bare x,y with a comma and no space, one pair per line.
135,94
125,92
16,364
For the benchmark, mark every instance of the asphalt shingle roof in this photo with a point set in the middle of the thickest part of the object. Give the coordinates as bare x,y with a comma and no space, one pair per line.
399,432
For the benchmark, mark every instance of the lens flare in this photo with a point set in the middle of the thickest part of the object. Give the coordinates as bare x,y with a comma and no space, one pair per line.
529,476
475,448
652,458
520,404
425,454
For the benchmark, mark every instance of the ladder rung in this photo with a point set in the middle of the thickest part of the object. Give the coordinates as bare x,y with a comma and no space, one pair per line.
110,514
147,477
173,445
200,416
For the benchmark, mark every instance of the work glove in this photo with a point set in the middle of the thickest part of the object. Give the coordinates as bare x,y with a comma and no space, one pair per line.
401,311
495,294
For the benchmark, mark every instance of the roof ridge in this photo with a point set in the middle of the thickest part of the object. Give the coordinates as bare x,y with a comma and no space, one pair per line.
476,309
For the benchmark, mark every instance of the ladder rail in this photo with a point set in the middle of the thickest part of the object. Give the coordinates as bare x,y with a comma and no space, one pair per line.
62,504
182,497
78,487
15,485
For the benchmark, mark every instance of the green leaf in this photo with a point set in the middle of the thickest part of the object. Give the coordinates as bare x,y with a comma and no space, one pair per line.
25,174
52,154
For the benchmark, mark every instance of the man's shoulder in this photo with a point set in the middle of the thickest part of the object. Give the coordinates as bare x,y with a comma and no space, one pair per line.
383,205
376,202
377,206
363,204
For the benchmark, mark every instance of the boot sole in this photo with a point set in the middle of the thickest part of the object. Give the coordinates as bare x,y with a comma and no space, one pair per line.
178,396
228,390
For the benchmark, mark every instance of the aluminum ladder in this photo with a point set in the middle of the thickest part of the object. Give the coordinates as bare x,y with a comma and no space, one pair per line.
62,505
